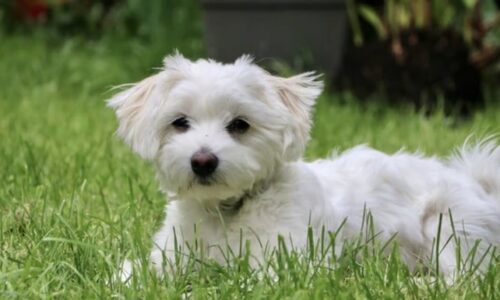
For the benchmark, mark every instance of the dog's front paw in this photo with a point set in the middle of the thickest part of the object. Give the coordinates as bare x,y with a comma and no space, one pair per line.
126,271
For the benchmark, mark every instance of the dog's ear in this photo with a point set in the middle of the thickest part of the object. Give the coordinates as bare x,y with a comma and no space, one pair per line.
298,94
136,107
134,116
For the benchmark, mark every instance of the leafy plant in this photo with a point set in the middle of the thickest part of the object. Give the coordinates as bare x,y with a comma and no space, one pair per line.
155,19
478,22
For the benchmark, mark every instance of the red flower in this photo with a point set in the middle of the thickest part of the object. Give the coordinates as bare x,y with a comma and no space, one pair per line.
31,9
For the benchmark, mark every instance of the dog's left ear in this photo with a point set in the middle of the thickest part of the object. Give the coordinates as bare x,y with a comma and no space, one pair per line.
137,107
134,116
298,94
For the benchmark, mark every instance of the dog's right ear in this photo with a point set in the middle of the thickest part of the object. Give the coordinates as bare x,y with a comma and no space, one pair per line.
137,107
298,94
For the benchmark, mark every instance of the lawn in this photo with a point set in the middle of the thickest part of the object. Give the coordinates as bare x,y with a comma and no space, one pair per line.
75,201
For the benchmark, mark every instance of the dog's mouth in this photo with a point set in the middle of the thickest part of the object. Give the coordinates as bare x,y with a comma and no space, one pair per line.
206,181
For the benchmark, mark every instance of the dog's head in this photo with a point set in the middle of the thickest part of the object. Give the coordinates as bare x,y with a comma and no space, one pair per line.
215,130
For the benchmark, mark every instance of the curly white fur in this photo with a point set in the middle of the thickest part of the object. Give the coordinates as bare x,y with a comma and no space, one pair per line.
278,193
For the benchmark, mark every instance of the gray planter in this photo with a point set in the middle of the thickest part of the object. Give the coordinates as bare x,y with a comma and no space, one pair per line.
277,29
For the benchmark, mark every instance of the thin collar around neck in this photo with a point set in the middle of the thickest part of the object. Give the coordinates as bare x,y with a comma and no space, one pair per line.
232,206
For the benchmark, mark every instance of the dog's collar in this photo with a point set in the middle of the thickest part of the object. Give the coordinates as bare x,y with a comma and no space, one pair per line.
232,206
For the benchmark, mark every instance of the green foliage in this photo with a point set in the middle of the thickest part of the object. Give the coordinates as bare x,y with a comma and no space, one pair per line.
75,201
398,15
152,19
160,18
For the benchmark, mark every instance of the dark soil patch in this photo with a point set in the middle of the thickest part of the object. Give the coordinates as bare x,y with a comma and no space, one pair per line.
423,66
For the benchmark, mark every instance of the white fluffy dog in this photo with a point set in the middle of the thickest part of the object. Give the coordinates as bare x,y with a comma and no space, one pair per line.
227,141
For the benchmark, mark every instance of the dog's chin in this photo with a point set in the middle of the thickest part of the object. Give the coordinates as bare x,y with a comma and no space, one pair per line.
209,190
205,181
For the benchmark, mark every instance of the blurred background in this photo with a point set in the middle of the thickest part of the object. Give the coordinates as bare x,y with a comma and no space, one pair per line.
429,54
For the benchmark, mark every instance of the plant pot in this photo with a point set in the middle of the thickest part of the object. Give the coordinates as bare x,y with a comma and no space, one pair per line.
284,30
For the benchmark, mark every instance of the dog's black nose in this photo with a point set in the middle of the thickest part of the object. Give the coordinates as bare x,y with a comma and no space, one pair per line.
204,163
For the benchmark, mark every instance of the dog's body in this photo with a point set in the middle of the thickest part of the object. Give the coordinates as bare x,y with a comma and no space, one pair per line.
227,142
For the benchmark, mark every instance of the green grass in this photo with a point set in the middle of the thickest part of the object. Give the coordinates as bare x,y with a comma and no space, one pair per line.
74,200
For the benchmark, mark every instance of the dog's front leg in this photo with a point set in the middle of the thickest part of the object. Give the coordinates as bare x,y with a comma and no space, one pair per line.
170,252
167,255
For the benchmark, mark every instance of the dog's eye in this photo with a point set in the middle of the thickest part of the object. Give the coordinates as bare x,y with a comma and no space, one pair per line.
237,126
181,124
